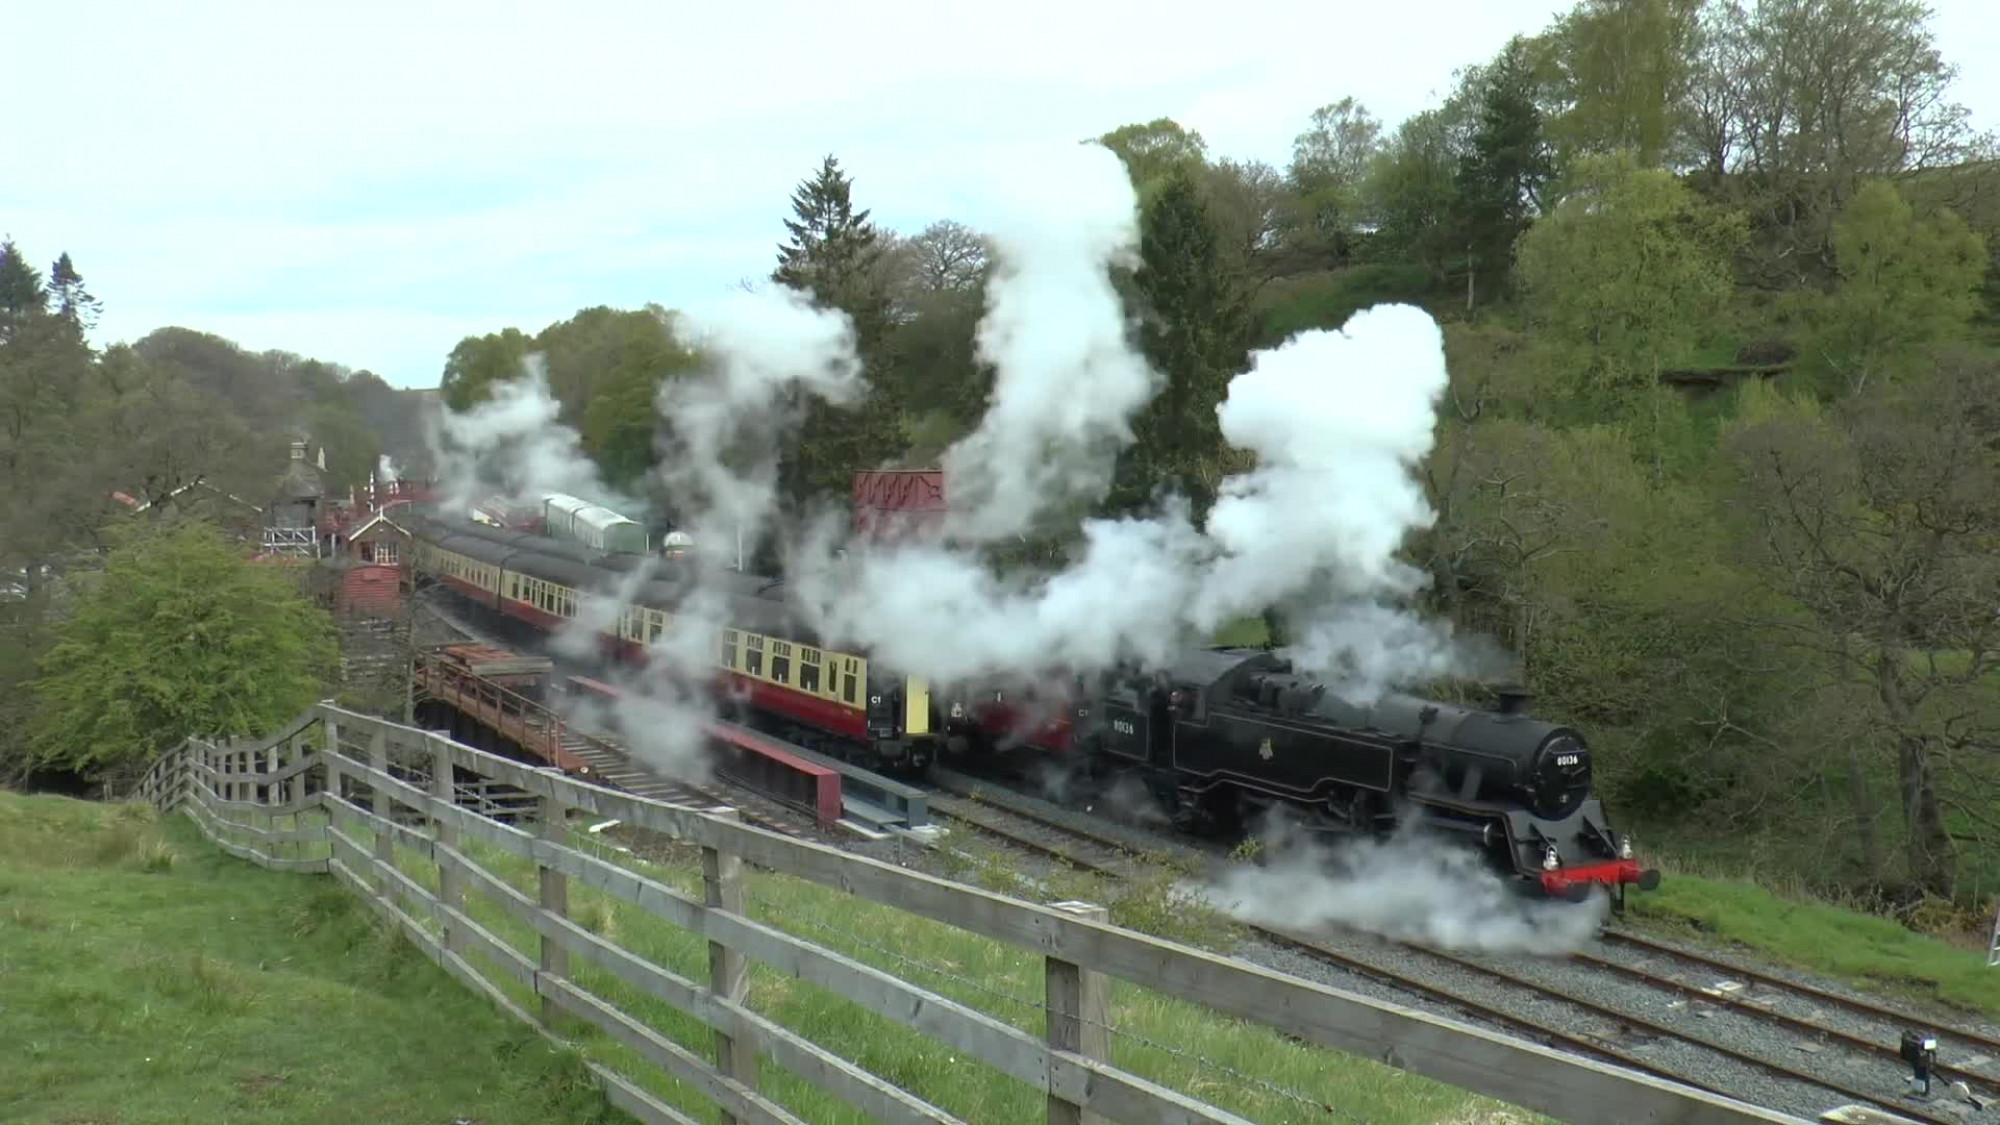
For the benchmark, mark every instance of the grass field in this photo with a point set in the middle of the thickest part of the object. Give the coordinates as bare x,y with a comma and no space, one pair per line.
1795,929
147,978
1248,1069
162,981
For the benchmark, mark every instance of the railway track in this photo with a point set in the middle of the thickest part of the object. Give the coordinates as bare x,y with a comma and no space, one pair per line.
1116,858
614,765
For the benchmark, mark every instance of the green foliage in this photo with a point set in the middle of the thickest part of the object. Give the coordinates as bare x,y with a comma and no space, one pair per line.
1622,70
180,635
1503,167
477,362
835,256
1327,300
1903,283
1629,271
1156,152
151,978
1192,329
1824,937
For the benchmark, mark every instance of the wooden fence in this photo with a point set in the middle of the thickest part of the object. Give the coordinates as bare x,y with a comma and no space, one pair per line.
295,801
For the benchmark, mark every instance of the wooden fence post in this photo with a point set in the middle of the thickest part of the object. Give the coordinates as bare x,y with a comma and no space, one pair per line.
1078,1002
728,973
380,804
552,821
451,885
330,758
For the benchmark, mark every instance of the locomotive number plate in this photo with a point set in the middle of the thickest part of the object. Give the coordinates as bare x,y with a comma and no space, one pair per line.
1567,759
1123,727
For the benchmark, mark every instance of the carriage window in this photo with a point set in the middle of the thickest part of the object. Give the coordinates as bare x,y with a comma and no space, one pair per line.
809,670
847,691
730,639
781,662
753,654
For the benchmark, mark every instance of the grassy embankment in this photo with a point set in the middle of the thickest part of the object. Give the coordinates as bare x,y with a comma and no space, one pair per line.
148,978
152,978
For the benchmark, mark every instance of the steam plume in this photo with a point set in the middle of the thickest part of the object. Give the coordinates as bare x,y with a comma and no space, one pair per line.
1066,383
1337,420
512,444
1411,886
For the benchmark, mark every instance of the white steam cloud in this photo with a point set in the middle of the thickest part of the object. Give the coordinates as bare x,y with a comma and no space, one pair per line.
1066,383
385,470
1337,419
512,446
1412,887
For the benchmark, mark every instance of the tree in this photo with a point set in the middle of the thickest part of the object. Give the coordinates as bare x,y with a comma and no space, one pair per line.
1329,162
1631,269
1903,284
949,257
1796,102
1622,73
73,302
1193,329
834,255
21,294
180,635
1154,152
477,362
1502,168
1877,520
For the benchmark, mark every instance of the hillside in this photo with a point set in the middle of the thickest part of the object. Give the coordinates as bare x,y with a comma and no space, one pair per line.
152,979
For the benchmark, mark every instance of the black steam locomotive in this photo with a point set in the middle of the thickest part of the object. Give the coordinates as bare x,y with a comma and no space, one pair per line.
1228,735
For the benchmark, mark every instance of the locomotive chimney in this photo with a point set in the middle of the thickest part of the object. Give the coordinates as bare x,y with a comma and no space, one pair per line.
1513,699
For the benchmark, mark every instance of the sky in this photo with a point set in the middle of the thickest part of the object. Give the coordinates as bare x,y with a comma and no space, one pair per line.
368,183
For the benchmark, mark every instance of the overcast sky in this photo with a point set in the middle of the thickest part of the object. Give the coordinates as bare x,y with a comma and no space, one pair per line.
370,183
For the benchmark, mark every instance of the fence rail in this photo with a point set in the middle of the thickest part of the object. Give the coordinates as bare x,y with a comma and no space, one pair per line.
379,793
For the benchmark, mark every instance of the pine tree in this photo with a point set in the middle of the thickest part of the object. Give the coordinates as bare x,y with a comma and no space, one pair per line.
21,292
1501,176
73,302
1193,330
834,255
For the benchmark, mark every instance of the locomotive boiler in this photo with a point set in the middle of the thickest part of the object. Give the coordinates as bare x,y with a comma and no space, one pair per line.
1225,736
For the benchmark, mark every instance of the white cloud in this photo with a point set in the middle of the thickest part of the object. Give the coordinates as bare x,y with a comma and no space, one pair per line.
383,177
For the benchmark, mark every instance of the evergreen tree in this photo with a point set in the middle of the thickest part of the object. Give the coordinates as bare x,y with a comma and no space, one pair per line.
834,252
834,255
1193,331
74,303
1500,176
21,292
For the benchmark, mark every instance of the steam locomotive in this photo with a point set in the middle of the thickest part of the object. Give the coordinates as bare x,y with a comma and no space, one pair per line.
1221,737
1227,736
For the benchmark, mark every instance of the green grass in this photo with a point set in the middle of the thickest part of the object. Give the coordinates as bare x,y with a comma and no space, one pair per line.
1823,937
1244,632
1248,1069
149,978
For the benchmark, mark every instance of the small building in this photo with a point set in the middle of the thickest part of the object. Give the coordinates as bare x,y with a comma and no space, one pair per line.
375,538
369,560
292,526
